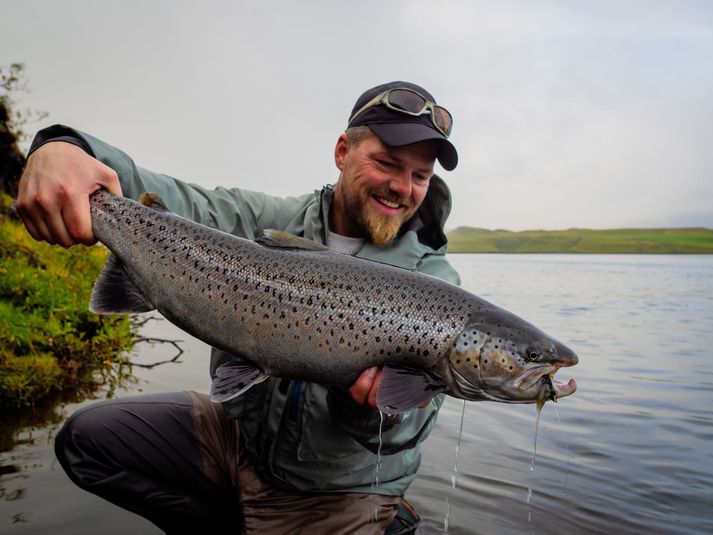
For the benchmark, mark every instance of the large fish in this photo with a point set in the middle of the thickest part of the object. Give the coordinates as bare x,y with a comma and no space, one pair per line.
289,307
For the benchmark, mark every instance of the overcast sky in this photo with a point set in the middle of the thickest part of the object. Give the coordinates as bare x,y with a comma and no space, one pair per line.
566,114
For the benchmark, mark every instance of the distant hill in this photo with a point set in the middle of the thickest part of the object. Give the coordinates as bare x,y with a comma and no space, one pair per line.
578,240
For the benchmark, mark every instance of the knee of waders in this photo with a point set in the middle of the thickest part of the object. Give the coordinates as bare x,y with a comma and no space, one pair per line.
74,447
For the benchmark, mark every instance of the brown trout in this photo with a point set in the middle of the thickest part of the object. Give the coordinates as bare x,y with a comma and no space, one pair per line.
289,307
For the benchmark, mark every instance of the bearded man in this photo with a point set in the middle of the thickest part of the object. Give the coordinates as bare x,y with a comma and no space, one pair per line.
286,456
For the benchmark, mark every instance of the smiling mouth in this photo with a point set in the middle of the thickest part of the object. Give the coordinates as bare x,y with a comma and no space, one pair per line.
386,202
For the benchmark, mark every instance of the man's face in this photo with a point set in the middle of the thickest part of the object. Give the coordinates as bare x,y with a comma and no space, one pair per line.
380,187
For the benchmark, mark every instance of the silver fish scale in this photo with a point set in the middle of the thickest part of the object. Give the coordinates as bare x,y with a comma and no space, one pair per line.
315,315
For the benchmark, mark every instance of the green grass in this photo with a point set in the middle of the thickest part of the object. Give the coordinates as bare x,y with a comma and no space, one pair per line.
49,341
653,241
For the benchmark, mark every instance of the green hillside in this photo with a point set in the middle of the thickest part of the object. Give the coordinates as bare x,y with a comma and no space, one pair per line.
577,240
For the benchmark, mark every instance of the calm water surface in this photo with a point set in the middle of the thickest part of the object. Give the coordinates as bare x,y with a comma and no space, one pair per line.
633,453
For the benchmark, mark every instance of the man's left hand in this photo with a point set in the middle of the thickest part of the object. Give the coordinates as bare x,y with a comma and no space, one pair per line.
363,391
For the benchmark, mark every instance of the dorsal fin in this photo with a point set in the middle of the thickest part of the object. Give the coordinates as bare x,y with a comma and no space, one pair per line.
285,240
152,200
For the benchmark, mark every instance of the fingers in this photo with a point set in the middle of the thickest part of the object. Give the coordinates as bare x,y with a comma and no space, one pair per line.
364,389
111,182
56,225
78,220
43,212
53,198
32,213
359,391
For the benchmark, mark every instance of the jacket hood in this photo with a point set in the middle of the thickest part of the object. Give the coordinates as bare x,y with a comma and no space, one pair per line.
433,213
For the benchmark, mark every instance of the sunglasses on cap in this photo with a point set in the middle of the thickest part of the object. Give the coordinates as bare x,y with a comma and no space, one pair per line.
410,102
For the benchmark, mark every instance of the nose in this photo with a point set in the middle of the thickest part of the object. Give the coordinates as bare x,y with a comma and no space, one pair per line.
401,184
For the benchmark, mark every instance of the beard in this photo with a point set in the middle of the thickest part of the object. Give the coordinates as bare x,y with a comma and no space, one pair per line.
381,228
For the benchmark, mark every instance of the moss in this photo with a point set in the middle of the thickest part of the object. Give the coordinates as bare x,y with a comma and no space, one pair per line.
49,341
27,378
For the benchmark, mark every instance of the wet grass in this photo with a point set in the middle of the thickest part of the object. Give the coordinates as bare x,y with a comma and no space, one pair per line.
49,341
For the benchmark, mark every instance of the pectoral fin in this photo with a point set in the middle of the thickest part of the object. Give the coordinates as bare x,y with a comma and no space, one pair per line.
403,388
234,377
115,292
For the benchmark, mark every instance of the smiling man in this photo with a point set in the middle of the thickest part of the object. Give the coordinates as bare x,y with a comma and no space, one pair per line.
381,187
287,456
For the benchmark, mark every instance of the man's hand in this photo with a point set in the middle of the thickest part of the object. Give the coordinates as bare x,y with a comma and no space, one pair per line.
53,198
363,391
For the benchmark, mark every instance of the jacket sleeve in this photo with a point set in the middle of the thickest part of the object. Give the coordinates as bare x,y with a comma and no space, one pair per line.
232,210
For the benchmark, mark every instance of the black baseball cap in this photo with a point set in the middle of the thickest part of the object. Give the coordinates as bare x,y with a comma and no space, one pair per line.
398,129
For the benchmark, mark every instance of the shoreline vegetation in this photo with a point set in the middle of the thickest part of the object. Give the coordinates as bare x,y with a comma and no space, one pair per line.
52,349
50,344
692,240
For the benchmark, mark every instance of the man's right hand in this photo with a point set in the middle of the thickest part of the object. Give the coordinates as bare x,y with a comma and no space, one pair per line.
53,198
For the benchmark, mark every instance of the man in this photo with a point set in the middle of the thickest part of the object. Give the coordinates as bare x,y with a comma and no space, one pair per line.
289,456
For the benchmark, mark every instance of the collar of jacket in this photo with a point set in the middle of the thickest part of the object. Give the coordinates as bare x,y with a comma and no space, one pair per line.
423,234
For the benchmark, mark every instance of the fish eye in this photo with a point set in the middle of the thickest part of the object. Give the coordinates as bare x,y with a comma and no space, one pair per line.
533,355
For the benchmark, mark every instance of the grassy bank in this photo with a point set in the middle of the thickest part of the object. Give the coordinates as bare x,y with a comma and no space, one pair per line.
49,341
657,240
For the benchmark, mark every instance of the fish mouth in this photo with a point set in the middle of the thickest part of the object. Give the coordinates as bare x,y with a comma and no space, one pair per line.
545,375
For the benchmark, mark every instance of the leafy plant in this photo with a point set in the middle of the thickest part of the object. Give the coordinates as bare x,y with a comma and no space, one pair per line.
49,341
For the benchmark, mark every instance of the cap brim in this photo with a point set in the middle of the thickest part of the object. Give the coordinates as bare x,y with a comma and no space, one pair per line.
399,134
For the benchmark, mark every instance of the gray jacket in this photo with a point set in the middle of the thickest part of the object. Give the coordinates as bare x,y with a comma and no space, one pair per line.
304,436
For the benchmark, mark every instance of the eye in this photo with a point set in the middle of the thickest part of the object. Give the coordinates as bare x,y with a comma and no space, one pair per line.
385,163
532,355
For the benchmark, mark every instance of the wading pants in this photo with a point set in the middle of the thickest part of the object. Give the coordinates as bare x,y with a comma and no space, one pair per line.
176,460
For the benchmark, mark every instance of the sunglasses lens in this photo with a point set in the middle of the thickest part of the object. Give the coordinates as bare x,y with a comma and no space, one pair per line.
443,120
407,100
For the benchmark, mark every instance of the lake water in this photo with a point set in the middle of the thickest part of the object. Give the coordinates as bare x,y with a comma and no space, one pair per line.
633,452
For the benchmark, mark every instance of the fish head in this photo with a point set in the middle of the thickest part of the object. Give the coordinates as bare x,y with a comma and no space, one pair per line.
501,357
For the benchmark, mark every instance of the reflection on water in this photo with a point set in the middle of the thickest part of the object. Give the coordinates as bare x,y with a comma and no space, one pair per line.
632,454
104,384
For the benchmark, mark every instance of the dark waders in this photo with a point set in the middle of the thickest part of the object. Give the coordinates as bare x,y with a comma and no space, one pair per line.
176,460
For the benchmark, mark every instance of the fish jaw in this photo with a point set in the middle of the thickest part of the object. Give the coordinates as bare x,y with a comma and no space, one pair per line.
540,381
515,364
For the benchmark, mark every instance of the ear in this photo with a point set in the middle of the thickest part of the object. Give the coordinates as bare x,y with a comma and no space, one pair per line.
340,151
